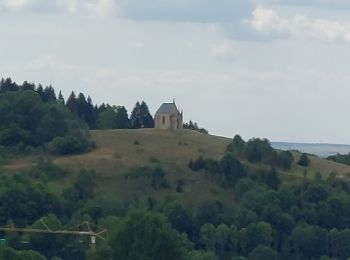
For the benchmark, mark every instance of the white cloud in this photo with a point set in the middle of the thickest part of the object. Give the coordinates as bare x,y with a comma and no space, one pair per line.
269,22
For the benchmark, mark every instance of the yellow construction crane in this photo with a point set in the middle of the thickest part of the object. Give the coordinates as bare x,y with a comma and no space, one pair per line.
84,229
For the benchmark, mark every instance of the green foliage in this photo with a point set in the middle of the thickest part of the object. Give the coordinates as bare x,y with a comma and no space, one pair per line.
81,191
32,117
70,145
226,171
271,179
260,151
121,118
194,126
23,201
107,119
310,241
237,147
255,234
263,253
304,160
141,117
10,253
154,177
48,168
283,160
179,185
202,255
146,235
179,218
340,158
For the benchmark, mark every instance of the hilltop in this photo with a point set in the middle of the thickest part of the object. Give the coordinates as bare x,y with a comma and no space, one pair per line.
119,152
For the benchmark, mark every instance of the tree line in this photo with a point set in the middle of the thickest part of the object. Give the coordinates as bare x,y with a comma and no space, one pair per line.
103,116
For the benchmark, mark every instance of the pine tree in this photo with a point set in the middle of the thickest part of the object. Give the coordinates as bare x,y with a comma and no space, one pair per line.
122,119
60,98
72,104
135,118
40,91
146,118
49,94
90,114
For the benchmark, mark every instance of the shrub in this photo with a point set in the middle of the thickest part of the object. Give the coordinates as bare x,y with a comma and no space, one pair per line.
70,145
304,160
46,167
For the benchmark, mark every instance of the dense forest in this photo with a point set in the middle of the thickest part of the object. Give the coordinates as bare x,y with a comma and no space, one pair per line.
269,218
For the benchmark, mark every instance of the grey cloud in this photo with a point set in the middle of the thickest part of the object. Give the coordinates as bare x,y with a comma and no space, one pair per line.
187,10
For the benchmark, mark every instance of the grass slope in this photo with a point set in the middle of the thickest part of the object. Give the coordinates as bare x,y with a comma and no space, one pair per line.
119,151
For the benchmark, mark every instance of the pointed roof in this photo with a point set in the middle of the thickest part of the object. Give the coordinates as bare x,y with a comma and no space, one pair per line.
167,108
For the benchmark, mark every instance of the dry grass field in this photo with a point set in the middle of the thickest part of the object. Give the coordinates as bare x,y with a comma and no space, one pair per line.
120,151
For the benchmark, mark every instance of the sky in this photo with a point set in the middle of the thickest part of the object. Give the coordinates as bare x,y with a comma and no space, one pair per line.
277,69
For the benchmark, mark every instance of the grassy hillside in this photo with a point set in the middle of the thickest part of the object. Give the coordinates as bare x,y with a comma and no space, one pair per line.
120,151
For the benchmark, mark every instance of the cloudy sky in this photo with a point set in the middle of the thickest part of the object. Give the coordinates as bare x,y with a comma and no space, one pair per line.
264,68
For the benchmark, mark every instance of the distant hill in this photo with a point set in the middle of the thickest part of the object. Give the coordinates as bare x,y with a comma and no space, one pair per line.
321,150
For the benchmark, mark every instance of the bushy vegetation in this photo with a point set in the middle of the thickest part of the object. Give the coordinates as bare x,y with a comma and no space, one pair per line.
260,151
194,126
32,118
340,158
304,160
154,177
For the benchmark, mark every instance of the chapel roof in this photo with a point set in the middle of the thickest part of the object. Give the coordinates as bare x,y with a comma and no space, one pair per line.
167,108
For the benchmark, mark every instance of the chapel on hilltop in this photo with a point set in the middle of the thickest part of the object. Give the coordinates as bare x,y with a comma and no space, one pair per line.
168,117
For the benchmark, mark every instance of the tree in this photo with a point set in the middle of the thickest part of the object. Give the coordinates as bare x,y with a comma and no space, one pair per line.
179,218
259,150
121,118
10,253
284,160
72,104
304,160
90,114
60,98
140,116
146,118
202,255
272,179
225,241
8,85
255,234
263,253
49,94
107,119
146,235
207,236
232,170
237,147
340,243
310,241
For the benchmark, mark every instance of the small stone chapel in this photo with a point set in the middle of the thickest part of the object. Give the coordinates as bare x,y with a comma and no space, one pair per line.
168,117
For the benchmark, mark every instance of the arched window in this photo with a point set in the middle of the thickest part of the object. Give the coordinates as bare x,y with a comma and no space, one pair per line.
163,120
